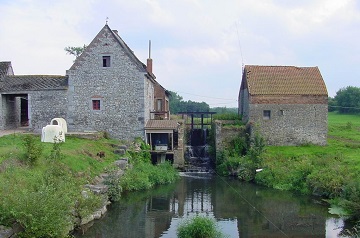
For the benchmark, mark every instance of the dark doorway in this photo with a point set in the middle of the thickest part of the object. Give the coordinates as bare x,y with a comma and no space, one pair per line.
24,112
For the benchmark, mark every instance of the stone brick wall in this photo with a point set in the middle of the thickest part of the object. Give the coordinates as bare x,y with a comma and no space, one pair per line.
122,88
9,112
44,106
149,99
244,104
2,113
179,160
290,124
224,134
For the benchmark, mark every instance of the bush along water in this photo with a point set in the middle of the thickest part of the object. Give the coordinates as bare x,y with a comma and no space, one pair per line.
199,227
241,157
142,174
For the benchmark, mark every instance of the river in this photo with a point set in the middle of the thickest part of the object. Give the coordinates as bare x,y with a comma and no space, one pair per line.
240,210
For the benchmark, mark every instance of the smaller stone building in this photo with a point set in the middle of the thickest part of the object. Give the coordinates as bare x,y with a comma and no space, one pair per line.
288,105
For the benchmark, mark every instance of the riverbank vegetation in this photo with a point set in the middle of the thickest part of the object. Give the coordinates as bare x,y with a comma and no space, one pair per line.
331,171
42,184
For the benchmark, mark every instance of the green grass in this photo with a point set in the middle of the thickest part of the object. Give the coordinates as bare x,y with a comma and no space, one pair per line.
55,175
343,141
56,181
78,154
332,171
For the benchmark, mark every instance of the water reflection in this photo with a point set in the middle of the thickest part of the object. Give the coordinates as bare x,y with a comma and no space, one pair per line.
240,209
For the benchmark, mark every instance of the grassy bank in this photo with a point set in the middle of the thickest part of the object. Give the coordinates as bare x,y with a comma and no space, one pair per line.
332,171
41,184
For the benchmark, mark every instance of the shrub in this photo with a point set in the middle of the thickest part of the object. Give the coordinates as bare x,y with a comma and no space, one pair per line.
33,149
137,178
351,199
139,152
145,176
163,174
241,157
87,203
56,150
199,227
114,187
43,206
328,181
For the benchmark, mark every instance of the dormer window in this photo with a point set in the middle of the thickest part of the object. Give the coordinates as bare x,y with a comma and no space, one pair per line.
106,61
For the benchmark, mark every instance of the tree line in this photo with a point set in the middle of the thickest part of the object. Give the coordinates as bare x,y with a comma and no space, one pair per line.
177,104
346,100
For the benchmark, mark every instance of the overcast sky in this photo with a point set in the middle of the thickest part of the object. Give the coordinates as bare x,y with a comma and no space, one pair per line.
198,46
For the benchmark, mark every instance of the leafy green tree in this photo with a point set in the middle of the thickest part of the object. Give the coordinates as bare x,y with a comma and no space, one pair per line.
175,103
348,99
75,51
332,105
178,105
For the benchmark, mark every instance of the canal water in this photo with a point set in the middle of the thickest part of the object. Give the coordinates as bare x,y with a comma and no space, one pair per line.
239,209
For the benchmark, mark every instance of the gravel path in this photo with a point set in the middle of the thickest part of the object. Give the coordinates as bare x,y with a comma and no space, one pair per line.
8,132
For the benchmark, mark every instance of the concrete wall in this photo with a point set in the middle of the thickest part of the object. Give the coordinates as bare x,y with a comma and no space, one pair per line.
123,89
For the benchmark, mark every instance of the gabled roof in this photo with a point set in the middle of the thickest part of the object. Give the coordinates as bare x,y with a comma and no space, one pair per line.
105,31
284,80
161,124
33,83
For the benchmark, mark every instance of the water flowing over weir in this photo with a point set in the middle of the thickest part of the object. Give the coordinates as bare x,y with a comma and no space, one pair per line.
196,153
197,157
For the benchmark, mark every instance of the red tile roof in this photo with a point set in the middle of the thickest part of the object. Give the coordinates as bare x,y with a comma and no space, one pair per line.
284,80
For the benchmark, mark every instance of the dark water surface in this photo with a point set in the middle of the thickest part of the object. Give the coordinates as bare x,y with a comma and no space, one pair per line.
240,210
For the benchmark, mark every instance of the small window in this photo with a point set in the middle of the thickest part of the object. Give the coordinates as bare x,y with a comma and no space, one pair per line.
96,104
106,61
159,104
281,112
266,114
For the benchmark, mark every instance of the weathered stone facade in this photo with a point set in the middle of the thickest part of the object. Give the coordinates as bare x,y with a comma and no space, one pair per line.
106,89
46,105
286,105
124,89
290,124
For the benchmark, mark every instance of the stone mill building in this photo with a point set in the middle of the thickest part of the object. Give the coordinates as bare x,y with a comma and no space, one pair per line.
107,89
287,105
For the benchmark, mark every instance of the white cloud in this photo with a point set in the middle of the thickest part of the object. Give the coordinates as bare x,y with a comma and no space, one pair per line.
195,42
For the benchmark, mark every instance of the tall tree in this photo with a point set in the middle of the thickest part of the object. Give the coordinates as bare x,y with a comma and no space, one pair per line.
348,99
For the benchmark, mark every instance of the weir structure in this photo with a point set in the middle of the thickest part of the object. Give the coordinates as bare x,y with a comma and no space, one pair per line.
198,125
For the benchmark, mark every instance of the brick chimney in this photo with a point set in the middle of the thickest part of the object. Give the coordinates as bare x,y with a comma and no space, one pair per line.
149,61
149,65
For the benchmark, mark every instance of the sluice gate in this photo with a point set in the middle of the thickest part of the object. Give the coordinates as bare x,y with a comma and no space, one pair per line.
198,126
